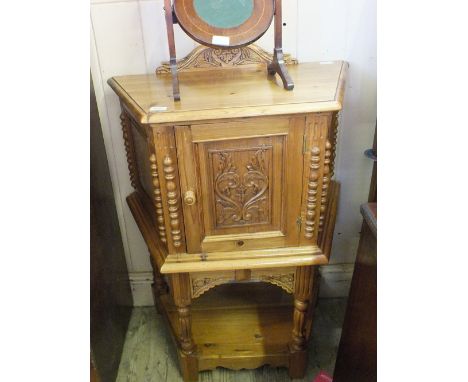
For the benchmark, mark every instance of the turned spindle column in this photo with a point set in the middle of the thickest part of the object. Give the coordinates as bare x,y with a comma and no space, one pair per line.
325,184
129,148
180,285
298,345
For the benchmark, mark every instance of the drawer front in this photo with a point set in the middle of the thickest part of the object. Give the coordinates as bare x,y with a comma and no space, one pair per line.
241,183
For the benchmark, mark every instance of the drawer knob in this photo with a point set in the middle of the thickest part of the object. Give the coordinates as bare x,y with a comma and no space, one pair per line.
189,198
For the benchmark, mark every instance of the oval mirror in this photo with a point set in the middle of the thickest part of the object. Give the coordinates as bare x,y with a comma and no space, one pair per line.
230,23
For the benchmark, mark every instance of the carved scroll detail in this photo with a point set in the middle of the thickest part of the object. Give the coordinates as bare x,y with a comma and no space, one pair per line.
201,285
241,198
312,193
325,183
172,201
205,57
127,136
157,198
284,281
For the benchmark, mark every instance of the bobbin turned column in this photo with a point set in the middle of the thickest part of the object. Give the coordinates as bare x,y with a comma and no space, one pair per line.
180,286
298,345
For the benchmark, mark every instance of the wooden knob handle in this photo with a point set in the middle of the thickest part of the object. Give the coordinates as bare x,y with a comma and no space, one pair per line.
189,198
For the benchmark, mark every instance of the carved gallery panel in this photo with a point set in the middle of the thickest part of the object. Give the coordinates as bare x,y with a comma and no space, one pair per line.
204,281
242,192
242,182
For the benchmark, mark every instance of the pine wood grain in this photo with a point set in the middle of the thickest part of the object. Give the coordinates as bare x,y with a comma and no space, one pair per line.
237,180
218,261
149,354
233,93
211,154
266,258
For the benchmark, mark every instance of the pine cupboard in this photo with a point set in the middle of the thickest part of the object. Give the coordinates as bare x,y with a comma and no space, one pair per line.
234,192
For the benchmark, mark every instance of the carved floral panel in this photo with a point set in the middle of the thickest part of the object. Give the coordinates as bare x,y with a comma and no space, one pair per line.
205,57
241,182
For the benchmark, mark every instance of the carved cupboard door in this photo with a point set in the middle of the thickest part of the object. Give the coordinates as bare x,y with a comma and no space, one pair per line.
241,183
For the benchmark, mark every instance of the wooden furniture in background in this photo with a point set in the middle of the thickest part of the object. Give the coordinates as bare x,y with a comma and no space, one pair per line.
233,184
356,360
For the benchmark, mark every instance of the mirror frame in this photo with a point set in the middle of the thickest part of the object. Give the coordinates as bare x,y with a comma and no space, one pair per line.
246,33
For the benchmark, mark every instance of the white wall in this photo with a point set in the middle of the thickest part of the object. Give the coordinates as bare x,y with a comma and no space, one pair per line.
129,37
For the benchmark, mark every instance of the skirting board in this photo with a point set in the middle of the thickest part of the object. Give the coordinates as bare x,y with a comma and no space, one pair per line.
140,283
335,282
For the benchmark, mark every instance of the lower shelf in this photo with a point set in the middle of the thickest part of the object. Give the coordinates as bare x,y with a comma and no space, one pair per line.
242,325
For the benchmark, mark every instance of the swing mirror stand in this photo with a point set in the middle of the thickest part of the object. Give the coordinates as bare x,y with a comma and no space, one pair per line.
226,24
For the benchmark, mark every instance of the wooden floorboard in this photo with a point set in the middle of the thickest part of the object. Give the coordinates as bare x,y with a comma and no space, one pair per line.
149,354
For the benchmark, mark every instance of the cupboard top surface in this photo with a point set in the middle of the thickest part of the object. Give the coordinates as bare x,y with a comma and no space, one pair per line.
233,93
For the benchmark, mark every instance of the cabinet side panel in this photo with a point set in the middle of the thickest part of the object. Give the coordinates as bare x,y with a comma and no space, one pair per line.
125,122
326,175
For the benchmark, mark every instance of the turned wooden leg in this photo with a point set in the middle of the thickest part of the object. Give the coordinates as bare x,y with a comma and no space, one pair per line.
158,286
298,345
187,358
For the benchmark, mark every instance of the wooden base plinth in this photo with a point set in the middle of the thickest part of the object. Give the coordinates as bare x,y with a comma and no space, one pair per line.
238,326
188,367
298,364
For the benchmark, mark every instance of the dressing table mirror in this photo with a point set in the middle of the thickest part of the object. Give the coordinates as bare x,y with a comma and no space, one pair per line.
226,24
